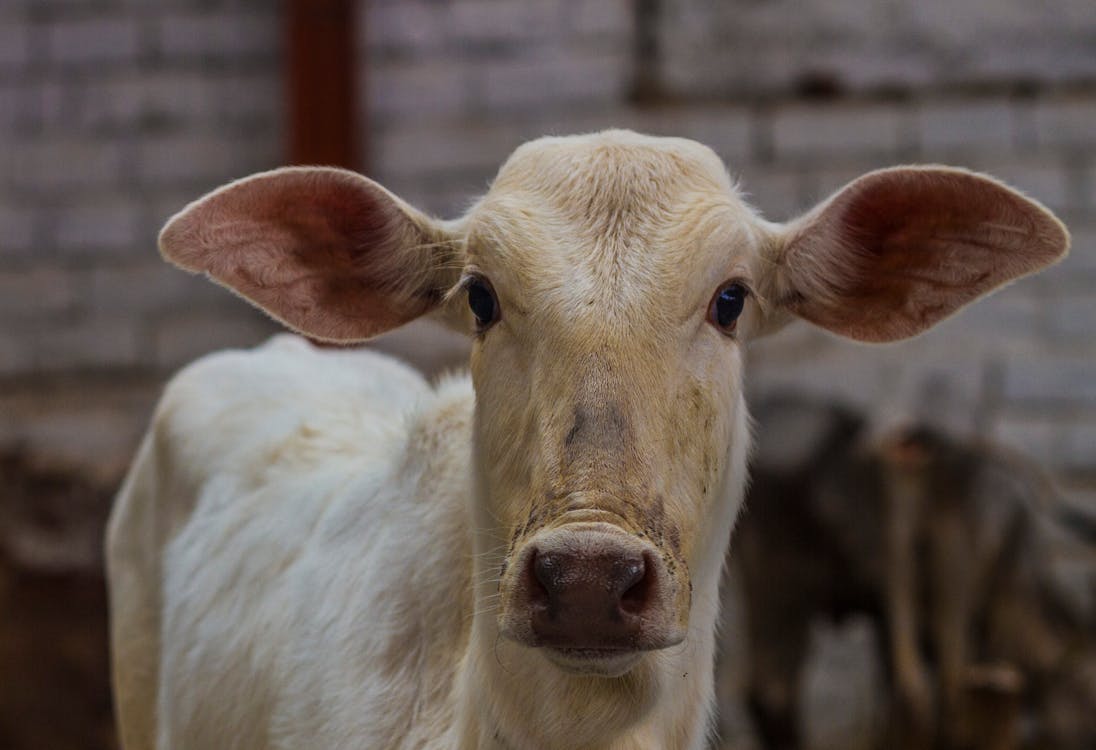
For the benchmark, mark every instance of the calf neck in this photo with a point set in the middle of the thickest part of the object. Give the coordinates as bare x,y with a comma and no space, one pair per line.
566,526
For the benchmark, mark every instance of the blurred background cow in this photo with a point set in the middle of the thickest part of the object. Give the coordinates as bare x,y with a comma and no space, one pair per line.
114,114
954,554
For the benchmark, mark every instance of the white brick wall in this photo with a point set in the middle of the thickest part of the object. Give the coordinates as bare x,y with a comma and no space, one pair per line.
16,228
29,293
113,115
14,42
822,134
49,166
960,127
772,48
92,342
216,34
96,225
92,41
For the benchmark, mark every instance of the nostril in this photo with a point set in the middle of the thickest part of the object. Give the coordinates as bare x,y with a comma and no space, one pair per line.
639,582
628,572
542,577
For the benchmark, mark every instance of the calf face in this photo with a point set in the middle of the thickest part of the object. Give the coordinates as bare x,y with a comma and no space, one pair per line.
610,282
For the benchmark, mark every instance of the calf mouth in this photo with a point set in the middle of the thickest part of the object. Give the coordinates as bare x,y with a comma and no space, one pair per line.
593,661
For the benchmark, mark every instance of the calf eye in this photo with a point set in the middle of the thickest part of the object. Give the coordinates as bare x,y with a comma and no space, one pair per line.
482,301
727,305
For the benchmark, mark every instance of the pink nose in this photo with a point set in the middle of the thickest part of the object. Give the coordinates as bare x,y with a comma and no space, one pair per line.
594,590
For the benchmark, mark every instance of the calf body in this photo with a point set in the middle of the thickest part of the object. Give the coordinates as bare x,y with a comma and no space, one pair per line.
320,549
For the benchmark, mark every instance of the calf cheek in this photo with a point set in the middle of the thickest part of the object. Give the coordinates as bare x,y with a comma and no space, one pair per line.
697,441
505,432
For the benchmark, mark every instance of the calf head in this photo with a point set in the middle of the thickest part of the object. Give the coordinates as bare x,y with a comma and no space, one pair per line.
610,282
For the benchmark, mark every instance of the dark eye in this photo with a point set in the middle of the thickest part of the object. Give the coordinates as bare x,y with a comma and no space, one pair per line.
727,305
482,301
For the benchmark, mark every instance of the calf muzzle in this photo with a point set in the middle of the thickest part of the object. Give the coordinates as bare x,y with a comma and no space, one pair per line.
592,588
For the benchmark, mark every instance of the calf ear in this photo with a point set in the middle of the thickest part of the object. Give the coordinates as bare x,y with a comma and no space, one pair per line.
896,251
326,251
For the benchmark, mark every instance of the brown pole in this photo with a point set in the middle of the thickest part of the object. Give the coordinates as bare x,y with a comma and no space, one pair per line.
322,80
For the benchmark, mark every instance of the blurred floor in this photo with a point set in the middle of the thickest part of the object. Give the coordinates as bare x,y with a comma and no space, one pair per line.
54,690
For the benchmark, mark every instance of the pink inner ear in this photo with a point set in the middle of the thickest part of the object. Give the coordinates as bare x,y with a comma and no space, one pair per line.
325,251
899,250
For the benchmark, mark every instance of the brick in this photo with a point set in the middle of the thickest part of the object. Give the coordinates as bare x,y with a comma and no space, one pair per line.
408,26
109,103
803,359
450,201
181,339
53,103
34,291
859,69
943,127
1068,380
418,89
16,352
163,203
180,99
14,43
591,119
1077,273
726,130
234,35
776,193
1068,123
68,163
1008,319
11,106
420,150
92,225
16,229
937,379
531,84
247,99
602,18
143,99
822,181
697,69
1023,121
92,41
426,345
1053,61
970,22
817,132
103,438
151,286
203,159
1072,319
89,343
512,22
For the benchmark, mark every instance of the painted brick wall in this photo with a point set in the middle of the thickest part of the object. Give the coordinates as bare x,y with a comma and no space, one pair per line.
799,98
114,114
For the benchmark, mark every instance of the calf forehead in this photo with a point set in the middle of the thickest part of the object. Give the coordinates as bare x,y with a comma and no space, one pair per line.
565,162
611,211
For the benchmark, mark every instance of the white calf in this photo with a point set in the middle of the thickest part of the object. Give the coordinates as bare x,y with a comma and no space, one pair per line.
318,549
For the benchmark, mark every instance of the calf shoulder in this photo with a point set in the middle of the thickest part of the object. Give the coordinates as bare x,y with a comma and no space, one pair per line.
259,551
